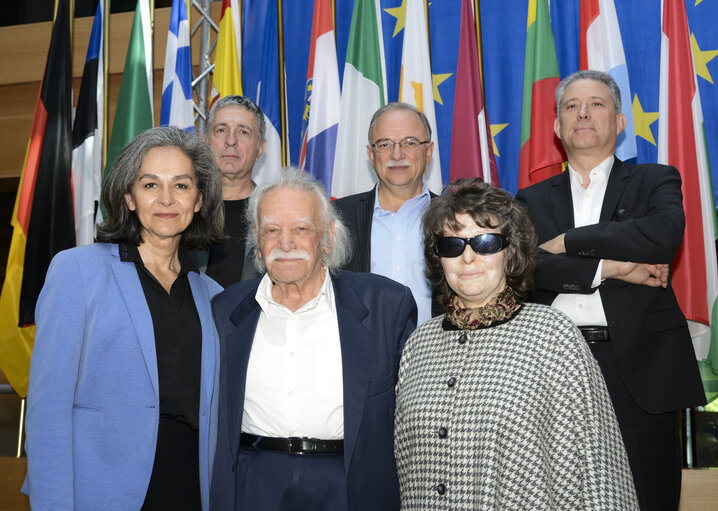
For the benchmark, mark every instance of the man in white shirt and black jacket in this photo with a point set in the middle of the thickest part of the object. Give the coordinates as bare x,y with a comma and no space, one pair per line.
309,359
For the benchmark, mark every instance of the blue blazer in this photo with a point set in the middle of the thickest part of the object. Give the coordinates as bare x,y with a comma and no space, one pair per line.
93,400
376,316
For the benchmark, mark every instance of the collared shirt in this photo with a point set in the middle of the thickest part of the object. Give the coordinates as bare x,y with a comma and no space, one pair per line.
397,248
294,379
174,482
587,202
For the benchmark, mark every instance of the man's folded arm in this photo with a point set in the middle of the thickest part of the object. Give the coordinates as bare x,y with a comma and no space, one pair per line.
653,237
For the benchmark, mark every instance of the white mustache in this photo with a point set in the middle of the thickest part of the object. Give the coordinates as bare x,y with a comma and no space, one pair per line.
398,163
291,254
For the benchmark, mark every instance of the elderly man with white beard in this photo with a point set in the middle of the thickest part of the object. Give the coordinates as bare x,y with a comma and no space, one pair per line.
309,358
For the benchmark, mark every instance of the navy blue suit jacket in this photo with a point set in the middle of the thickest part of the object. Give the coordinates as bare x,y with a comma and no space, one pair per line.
376,316
641,220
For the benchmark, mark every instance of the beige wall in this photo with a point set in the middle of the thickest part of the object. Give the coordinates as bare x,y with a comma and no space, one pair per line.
23,51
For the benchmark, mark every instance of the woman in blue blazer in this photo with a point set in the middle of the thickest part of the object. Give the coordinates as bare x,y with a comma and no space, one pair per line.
121,413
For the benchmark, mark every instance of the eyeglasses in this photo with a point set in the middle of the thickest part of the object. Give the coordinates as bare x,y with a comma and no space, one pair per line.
483,244
407,144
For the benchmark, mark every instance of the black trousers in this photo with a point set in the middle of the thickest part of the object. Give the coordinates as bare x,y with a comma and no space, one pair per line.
652,440
277,481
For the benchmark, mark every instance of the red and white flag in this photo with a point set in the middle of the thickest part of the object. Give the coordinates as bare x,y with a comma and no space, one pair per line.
681,144
472,151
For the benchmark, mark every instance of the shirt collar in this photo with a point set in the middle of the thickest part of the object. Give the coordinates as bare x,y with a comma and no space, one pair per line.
267,302
423,195
130,254
604,168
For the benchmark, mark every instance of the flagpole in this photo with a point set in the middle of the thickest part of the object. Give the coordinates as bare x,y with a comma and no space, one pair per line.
282,84
428,28
72,21
477,29
105,79
240,5
152,58
334,20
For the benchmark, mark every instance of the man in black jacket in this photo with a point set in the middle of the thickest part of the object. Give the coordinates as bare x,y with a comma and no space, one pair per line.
386,221
607,233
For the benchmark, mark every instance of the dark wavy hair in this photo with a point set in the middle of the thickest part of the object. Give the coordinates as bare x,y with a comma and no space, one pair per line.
123,226
490,208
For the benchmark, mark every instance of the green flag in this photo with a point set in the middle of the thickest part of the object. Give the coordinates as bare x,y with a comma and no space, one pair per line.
134,113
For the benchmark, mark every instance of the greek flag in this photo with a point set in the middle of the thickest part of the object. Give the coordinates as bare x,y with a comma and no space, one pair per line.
177,84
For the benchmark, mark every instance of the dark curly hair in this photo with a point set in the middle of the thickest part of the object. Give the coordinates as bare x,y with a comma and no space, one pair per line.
122,225
490,208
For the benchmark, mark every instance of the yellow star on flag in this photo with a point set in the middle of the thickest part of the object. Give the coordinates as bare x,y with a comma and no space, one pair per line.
642,121
701,59
437,80
400,14
495,130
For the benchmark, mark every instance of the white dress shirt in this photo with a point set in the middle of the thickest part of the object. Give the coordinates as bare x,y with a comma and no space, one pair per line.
587,202
294,378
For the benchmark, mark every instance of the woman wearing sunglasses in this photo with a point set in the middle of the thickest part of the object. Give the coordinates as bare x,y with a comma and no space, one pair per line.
500,404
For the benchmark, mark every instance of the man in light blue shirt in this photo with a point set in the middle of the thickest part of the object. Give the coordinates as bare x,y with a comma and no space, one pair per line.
386,221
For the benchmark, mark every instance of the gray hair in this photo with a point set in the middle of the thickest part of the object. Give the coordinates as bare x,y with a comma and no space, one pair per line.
590,74
338,251
122,224
398,106
244,102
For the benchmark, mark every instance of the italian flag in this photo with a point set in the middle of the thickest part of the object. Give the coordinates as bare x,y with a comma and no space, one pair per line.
364,92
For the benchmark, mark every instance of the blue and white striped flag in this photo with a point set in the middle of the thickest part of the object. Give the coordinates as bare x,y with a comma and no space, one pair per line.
177,84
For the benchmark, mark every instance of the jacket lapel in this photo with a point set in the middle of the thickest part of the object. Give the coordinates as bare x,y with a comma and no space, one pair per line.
351,314
210,356
238,346
617,181
562,202
129,283
366,214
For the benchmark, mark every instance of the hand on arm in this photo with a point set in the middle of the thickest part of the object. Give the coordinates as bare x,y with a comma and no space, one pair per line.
646,274
555,245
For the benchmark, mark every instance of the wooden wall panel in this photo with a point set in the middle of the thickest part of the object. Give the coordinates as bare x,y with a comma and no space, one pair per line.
23,51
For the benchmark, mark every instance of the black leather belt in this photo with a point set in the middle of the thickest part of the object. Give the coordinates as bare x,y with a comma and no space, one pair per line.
594,334
292,445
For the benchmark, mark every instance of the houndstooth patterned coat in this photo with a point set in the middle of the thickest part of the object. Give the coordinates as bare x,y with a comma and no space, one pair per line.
513,416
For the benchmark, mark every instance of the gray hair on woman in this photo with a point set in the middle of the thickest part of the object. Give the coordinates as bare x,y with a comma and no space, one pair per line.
490,208
290,177
123,226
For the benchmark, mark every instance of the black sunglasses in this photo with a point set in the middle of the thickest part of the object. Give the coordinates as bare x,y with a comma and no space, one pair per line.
483,244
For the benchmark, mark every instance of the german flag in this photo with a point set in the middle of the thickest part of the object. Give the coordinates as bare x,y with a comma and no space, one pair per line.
42,219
